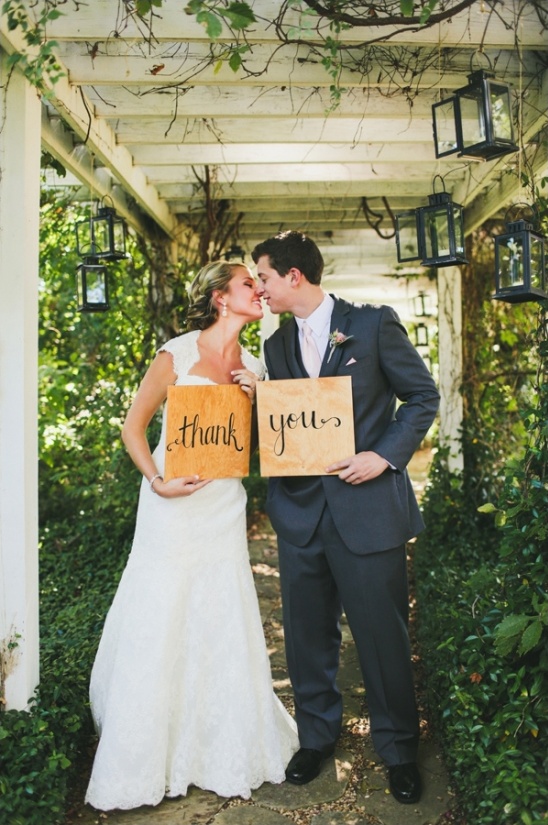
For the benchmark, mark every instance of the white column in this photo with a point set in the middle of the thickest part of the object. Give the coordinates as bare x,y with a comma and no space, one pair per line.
269,324
19,223
450,363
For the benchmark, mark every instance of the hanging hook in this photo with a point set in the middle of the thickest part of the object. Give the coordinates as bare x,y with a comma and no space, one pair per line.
482,53
519,211
434,183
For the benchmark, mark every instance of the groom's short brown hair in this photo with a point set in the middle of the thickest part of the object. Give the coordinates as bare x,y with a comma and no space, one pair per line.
292,249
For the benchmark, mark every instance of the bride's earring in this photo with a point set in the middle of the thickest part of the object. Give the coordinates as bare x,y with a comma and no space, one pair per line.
224,313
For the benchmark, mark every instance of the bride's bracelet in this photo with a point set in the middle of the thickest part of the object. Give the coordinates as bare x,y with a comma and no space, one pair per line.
153,479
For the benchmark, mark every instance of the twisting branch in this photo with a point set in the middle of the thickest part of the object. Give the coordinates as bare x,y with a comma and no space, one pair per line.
372,18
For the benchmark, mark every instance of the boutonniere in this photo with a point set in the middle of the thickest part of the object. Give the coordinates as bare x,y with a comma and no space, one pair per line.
336,339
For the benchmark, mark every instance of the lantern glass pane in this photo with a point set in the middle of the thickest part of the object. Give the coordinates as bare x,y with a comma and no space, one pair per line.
472,118
510,250
445,129
501,112
537,263
437,233
101,236
421,335
458,229
84,238
406,236
119,237
80,287
96,283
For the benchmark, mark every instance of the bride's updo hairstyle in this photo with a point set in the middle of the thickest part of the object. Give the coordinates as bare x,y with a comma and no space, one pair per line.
202,310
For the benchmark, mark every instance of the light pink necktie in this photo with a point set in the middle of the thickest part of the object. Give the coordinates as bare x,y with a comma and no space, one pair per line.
311,356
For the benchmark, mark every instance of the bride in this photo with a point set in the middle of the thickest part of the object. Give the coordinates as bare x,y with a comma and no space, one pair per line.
181,690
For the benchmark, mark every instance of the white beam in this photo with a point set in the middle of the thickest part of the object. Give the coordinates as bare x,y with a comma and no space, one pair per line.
270,153
116,63
100,139
79,161
201,131
93,21
251,101
311,190
19,216
288,173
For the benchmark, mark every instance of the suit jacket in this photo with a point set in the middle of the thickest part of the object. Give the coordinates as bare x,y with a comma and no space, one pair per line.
383,513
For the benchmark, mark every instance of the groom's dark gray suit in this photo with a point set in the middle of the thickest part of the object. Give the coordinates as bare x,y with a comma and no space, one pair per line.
343,544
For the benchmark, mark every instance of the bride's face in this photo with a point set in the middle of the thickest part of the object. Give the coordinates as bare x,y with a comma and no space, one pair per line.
242,296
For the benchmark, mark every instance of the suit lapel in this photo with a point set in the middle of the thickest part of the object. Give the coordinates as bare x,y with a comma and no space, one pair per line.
340,321
292,350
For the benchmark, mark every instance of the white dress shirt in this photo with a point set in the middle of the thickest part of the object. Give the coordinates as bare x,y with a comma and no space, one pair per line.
319,322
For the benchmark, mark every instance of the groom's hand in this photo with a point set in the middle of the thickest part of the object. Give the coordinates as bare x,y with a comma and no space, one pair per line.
359,468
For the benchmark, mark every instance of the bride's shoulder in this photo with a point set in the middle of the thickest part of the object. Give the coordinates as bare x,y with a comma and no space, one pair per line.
181,343
184,351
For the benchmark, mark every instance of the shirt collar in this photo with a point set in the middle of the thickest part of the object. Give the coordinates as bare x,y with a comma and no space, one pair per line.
320,318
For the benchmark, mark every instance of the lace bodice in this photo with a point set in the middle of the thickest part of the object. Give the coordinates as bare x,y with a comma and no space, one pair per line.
185,353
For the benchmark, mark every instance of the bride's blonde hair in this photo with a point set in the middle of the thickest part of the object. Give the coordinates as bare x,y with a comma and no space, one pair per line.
202,310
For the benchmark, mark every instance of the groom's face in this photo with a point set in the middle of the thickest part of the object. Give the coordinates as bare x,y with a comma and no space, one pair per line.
277,291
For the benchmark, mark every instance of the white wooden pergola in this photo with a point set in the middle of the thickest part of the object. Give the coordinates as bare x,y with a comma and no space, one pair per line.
140,114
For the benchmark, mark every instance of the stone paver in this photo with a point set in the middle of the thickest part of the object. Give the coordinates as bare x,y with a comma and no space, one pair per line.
329,786
197,808
375,798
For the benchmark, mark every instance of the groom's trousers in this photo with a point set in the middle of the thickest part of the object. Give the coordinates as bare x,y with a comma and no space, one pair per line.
318,581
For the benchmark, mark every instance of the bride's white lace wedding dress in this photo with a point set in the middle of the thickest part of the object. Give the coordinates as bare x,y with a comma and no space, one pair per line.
181,690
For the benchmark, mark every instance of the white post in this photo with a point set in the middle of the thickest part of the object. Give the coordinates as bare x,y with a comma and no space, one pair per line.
450,364
19,225
269,324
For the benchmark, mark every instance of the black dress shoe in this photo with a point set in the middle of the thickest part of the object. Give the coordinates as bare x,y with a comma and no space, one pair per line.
305,765
405,782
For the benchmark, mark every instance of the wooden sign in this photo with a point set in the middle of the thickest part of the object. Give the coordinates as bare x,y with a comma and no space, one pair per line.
208,431
305,424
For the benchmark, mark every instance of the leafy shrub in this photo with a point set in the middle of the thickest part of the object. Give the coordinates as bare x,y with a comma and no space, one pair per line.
484,632
90,367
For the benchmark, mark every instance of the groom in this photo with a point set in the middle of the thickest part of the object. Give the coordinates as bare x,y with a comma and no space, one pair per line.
341,538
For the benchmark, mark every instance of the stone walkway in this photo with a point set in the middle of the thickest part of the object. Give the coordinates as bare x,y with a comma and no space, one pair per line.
352,788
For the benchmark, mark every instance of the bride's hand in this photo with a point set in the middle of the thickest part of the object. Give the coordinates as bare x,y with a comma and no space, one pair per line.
176,487
247,381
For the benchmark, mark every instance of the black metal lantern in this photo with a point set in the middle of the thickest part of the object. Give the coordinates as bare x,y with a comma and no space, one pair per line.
520,273
439,232
421,304
407,236
421,335
92,286
476,121
102,236
234,252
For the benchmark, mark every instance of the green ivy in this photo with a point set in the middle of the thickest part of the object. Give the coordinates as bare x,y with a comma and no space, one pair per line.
484,632
37,60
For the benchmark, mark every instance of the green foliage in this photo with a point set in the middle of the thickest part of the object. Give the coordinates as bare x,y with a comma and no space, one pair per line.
90,366
37,60
483,608
211,15
144,7
408,9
